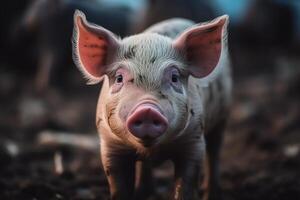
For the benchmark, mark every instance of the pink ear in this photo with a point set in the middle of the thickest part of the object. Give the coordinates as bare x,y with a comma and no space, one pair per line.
92,45
202,45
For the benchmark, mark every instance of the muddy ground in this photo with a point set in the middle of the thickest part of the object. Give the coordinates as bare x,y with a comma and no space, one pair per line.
260,155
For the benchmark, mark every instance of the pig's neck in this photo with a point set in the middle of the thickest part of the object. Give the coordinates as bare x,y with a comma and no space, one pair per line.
213,97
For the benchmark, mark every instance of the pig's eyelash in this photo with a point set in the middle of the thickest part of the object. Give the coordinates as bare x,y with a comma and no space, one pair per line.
181,67
111,72
181,70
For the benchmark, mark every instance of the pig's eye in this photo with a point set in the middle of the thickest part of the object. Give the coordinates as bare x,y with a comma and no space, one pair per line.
175,78
119,78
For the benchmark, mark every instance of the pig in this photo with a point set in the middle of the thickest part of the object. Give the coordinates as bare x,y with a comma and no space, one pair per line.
51,23
165,95
155,11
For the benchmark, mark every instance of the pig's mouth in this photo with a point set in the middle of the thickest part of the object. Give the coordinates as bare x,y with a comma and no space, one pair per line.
147,142
146,122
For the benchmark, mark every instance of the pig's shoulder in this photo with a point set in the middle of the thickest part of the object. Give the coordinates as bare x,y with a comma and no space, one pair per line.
171,27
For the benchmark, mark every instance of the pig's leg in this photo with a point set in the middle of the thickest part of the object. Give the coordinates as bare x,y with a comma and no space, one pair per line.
144,180
187,176
120,173
211,178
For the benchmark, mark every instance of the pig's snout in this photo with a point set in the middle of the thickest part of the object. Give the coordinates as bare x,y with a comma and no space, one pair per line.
147,122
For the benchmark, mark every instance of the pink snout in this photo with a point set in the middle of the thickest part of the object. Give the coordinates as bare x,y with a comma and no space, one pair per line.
147,122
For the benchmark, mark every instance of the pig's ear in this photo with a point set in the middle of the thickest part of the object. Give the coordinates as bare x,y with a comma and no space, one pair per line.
92,48
202,45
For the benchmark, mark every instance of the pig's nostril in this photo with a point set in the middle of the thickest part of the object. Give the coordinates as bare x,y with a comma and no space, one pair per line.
156,123
138,123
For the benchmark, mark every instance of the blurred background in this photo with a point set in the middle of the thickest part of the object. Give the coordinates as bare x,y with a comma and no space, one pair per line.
48,139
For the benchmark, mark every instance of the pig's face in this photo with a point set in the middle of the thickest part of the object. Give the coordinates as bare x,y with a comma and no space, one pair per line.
146,103
148,87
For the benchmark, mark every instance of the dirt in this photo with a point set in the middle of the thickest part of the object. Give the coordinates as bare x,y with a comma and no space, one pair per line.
260,156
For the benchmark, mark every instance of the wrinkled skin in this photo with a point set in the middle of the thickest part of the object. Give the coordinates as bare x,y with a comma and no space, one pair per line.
165,93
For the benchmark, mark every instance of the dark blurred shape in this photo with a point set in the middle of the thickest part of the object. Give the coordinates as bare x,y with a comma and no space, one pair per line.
51,24
10,12
158,10
268,22
265,34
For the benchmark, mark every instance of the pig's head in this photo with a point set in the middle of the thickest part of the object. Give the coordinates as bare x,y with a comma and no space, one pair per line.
144,99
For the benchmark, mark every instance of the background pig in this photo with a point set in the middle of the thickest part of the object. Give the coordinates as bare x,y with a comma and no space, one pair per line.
50,21
157,10
165,95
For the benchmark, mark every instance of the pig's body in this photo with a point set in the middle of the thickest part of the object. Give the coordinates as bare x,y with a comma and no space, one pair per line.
209,100
186,114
